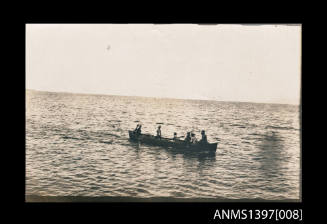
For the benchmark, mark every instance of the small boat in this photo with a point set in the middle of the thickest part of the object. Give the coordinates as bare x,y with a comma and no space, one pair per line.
170,143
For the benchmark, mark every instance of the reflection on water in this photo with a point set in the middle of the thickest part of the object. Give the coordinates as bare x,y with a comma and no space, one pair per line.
270,154
202,159
273,162
78,145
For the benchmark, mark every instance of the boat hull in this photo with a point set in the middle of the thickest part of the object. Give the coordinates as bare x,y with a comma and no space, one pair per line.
169,143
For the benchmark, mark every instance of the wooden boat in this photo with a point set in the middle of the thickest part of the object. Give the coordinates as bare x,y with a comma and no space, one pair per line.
170,143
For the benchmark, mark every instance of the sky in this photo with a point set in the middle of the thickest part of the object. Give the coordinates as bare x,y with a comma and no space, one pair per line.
224,62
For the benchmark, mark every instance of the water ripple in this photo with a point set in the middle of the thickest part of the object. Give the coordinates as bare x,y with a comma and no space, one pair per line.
78,145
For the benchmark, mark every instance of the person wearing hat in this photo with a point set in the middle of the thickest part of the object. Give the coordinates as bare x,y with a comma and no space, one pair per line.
159,132
204,137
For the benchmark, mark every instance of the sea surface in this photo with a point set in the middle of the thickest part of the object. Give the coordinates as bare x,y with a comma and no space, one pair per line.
77,145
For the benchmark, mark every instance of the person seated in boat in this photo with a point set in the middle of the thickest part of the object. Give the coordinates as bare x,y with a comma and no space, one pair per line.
137,127
193,138
159,132
204,137
138,131
175,136
188,137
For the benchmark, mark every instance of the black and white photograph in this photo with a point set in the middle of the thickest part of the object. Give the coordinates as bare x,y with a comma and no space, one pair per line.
163,113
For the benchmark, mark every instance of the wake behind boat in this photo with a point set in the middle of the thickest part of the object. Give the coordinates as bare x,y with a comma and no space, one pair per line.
171,143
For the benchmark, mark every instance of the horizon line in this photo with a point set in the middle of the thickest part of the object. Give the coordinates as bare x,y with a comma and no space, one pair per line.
106,94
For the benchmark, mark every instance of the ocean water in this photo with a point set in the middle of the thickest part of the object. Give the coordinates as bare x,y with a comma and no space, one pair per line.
77,145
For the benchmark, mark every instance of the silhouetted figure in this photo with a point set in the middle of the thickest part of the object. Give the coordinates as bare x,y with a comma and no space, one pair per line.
135,130
188,137
193,138
204,137
138,131
175,136
159,132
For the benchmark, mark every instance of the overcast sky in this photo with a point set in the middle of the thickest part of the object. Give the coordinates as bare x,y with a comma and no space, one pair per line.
215,62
